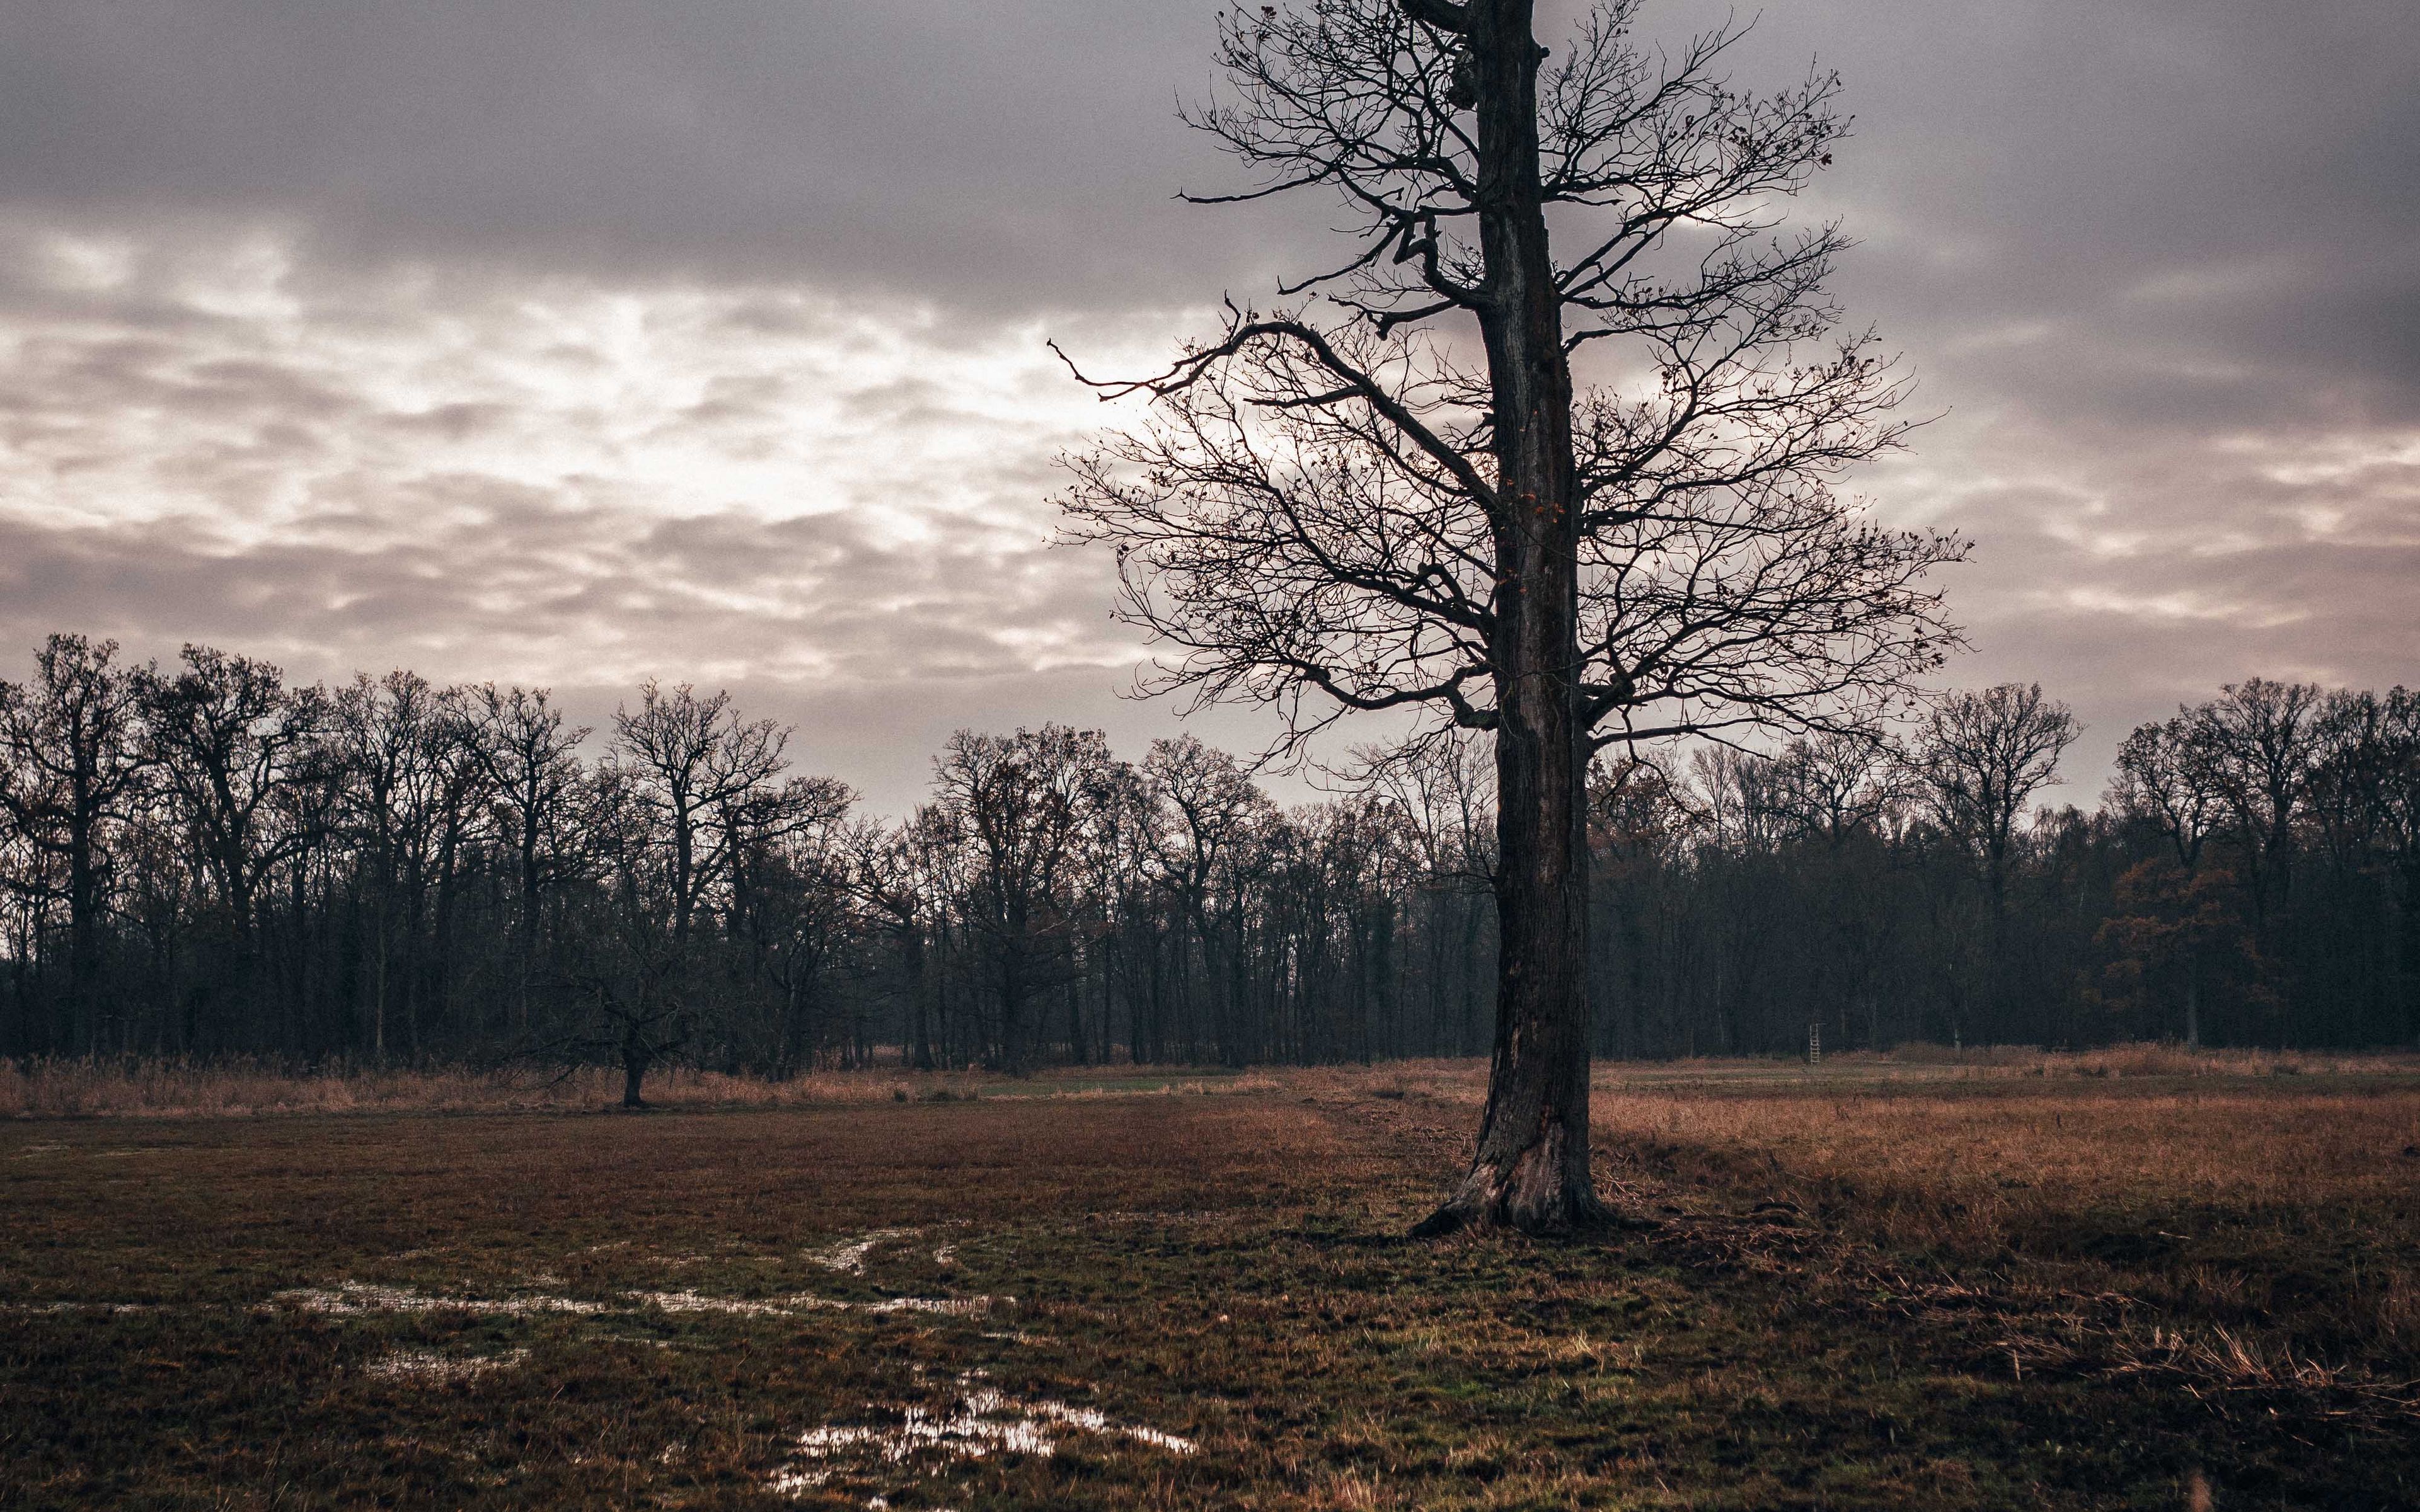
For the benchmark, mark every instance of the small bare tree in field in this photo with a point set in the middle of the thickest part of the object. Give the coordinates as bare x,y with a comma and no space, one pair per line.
690,795
1393,492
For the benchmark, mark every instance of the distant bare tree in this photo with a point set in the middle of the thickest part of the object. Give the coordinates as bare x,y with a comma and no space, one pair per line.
1836,784
902,875
1207,812
399,755
1018,805
696,763
235,747
791,895
2163,777
1348,507
531,763
71,762
2258,745
1981,757
628,974
1443,784
1977,762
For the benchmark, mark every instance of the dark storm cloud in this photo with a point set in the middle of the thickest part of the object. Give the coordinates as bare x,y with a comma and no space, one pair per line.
704,338
990,153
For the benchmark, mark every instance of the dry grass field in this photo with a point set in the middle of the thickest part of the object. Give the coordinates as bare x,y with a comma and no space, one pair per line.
2133,1280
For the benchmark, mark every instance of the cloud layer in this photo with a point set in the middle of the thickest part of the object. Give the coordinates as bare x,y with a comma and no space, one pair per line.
576,342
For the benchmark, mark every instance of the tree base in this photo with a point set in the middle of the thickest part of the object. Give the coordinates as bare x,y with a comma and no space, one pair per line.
1535,1195
1568,1217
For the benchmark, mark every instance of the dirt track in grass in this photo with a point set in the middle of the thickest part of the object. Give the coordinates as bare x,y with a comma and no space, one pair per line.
1847,1290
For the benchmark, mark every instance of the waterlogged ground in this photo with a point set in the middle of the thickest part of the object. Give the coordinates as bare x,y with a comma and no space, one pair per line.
1833,1291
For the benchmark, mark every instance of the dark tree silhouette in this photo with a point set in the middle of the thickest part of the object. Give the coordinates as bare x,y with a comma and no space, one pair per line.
240,754
2253,877
1978,761
1019,804
696,764
533,767
1349,504
71,764
1981,757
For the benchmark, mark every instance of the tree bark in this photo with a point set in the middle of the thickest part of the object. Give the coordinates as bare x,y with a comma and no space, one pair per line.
83,936
912,961
1532,1169
634,1071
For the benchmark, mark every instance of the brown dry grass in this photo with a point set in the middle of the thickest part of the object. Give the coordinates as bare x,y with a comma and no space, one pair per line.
75,1089
1901,1284
2225,1222
72,1089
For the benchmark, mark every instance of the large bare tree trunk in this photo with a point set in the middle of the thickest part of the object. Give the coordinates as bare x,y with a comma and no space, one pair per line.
1531,1171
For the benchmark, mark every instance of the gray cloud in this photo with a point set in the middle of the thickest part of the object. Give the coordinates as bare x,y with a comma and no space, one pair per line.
575,341
979,152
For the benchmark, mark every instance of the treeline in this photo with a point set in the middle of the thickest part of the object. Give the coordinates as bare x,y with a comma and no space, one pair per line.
2252,877
205,860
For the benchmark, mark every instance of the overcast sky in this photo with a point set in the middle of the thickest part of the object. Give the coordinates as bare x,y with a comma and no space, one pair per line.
571,342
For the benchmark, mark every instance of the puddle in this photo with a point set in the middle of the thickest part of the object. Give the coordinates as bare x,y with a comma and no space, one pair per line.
983,1421
791,1306
690,1301
951,1306
355,1298
352,1299
849,1254
428,1368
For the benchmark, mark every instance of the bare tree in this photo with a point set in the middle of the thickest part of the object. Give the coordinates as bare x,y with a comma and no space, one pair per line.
532,765
2164,778
2258,745
902,875
631,992
71,761
1442,785
695,761
1114,853
791,894
1342,506
396,749
1836,785
235,747
1017,804
1981,758
1978,761
1207,812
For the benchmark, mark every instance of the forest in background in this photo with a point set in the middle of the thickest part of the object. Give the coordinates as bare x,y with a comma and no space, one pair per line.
207,861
